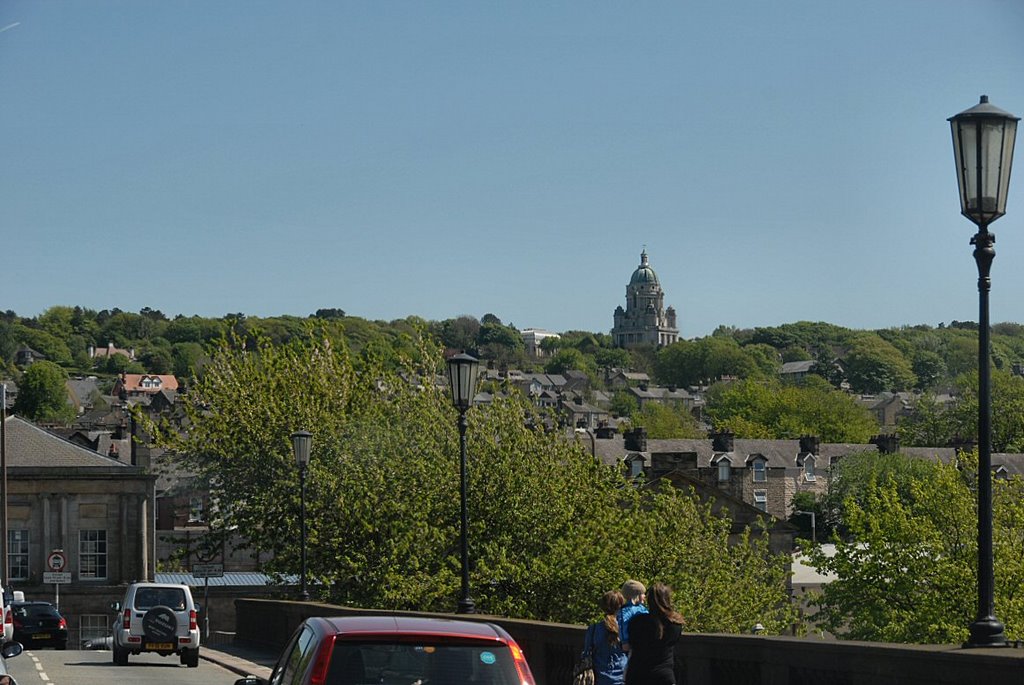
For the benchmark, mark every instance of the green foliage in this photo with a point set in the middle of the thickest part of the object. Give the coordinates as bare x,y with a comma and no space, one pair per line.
935,425
906,574
663,422
688,362
567,359
43,395
624,403
550,528
908,571
874,365
768,409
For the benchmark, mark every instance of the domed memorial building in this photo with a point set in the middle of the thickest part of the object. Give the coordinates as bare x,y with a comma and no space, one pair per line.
645,320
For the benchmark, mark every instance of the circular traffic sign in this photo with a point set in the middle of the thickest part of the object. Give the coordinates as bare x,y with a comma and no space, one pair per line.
56,561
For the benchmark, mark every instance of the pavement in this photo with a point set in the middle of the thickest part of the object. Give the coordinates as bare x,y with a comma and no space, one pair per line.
240,659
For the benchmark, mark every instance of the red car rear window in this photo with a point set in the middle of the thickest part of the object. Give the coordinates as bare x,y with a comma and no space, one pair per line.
427,663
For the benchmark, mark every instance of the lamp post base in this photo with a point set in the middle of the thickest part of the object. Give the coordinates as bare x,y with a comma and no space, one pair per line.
987,632
466,606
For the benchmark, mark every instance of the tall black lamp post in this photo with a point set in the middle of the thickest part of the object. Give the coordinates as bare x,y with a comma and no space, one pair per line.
301,443
462,375
983,138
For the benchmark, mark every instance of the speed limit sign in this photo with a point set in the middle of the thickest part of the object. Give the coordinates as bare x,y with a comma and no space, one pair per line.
56,561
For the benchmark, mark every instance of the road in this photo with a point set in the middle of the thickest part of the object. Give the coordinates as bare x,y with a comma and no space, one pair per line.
79,667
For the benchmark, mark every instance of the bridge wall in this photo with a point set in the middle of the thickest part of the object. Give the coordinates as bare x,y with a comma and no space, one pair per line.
702,659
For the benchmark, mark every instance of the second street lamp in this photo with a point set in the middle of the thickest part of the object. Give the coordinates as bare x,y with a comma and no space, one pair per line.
462,375
302,441
983,140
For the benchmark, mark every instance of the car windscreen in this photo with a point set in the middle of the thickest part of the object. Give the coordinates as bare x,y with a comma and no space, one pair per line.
429,662
149,597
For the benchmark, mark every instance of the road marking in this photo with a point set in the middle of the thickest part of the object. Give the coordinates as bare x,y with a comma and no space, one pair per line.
39,667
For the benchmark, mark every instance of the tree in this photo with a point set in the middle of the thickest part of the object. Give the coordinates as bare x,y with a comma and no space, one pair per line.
907,573
874,365
664,422
568,359
769,409
43,395
550,527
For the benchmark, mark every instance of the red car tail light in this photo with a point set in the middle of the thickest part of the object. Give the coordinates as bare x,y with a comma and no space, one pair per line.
126,622
318,676
63,625
192,623
519,661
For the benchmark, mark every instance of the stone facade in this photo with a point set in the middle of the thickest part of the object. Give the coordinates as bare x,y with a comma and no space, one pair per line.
645,320
96,509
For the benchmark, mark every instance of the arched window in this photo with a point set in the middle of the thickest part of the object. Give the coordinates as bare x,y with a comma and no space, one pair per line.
724,470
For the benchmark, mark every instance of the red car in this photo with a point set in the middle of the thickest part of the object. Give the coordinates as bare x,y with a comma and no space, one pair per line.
398,650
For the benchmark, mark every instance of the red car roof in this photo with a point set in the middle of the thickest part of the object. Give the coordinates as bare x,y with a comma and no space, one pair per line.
413,625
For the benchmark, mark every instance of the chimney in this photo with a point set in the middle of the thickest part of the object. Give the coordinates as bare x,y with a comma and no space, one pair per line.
636,440
605,432
809,444
887,443
112,451
721,441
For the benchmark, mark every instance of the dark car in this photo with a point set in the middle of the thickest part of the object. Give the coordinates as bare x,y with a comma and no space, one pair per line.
398,650
39,624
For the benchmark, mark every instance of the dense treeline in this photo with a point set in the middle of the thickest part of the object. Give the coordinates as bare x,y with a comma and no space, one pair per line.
932,361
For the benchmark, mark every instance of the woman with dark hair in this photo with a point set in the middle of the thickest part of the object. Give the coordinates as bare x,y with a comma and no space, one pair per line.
602,642
652,640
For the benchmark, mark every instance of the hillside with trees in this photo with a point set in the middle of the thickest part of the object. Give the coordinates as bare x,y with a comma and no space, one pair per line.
936,363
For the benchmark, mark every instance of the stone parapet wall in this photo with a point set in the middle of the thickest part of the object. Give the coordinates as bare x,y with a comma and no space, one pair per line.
702,659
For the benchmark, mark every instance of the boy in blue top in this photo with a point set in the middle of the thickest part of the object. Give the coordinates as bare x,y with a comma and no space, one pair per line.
634,593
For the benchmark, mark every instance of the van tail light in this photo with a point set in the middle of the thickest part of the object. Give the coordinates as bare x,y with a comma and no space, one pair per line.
519,661
192,623
126,622
318,676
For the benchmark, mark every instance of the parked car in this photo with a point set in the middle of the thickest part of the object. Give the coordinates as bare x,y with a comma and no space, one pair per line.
398,650
9,651
39,624
8,597
157,617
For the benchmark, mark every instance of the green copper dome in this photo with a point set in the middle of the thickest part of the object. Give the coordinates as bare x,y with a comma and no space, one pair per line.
644,273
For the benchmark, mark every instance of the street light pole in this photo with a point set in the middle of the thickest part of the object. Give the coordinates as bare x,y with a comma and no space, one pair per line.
983,141
302,441
462,376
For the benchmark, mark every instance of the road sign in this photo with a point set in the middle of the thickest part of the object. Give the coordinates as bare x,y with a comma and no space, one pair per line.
57,577
56,561
208,570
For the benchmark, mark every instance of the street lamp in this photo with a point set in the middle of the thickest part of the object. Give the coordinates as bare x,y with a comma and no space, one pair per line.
983,138
302,441
462,375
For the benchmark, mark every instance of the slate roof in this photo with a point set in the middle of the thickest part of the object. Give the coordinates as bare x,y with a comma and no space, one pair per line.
797,367
780,453
31,446
230,578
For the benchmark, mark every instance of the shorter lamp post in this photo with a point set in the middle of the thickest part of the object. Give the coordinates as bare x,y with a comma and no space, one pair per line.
301,443
983,140
462,375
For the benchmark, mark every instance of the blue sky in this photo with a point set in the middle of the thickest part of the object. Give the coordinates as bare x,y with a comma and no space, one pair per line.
780,161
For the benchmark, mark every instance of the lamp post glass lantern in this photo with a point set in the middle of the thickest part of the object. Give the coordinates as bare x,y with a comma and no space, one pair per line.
302,441
983,140
462,375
